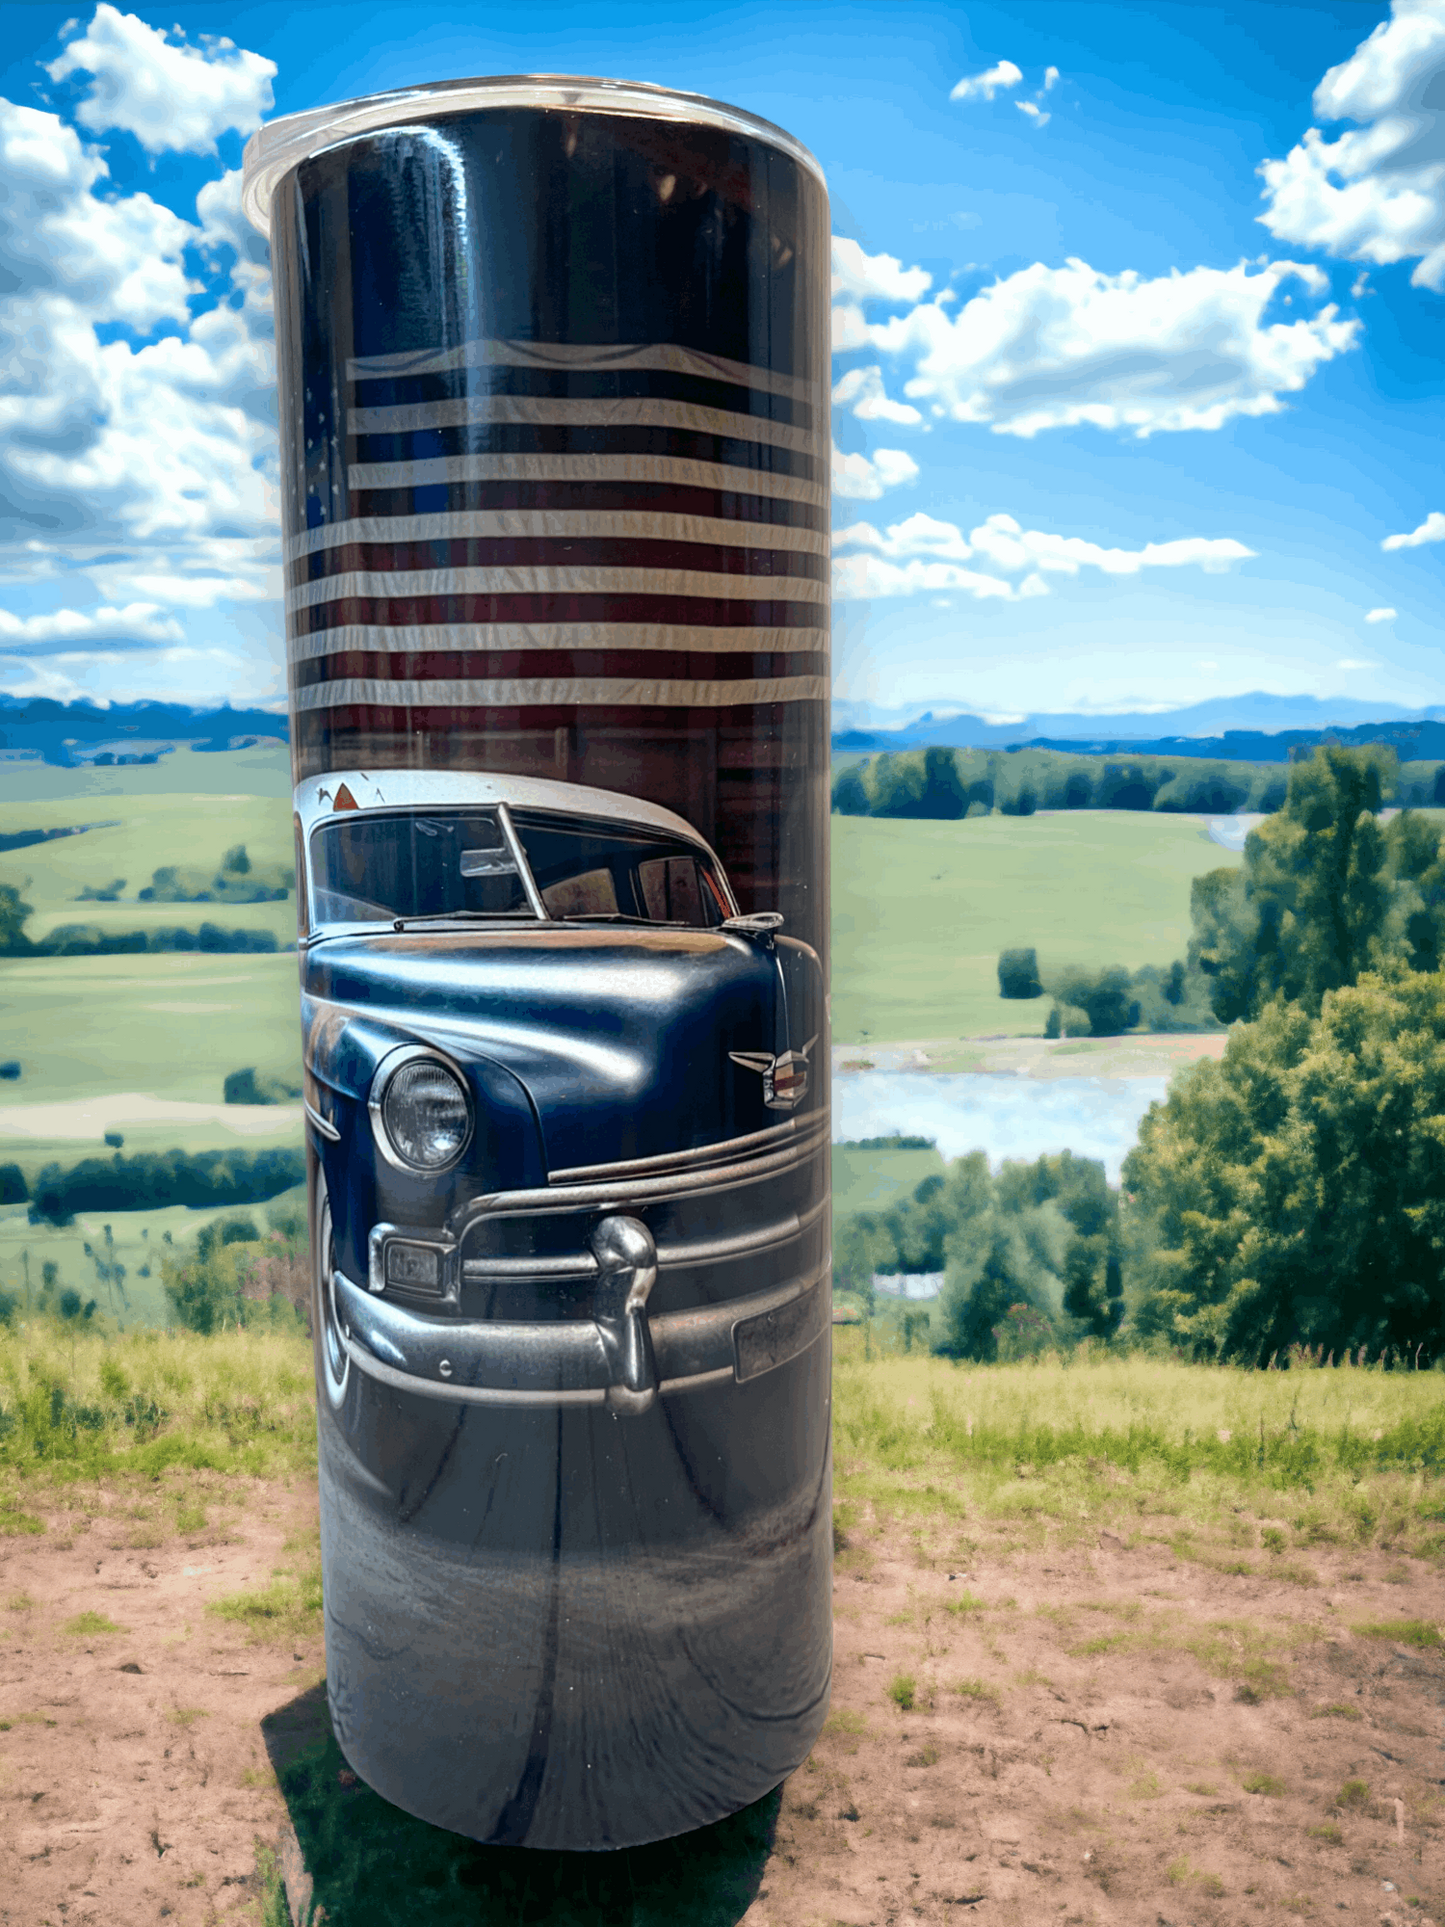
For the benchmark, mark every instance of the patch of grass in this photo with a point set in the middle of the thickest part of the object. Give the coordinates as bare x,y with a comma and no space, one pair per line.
1112,1440
290,1607
1202,1787
19,1602
1353,1794
275,1909
1409,1632
1328,1833
963,1603
1181,1873
902,1690
239,1402
15,1524
187,1715
1267,1784
89,1622
974,1688
843,1719
927,1755
1146,1784
1336,1710
1031,1676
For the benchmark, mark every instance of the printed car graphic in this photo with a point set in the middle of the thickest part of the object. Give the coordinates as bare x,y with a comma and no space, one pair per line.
567,1144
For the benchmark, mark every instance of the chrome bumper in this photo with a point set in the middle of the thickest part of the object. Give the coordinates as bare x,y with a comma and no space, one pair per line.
619,1355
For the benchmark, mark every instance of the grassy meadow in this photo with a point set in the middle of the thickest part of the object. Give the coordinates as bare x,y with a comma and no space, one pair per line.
921,911
1246,1462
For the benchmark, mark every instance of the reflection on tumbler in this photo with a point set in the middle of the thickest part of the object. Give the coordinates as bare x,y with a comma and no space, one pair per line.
553,365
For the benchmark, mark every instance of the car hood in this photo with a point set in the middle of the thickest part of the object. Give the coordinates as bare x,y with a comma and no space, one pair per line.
622,1037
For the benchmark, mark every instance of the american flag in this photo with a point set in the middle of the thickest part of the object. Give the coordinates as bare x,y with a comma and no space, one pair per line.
540,526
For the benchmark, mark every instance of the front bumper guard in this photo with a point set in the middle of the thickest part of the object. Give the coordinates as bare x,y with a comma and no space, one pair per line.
619,1356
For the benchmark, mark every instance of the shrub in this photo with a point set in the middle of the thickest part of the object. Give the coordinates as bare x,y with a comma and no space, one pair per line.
1018,974
902,1690
246,1087
1067,1020
1103,995
10,1069
13,1188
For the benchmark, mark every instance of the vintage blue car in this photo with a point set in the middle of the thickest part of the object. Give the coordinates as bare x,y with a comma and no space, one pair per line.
566,1103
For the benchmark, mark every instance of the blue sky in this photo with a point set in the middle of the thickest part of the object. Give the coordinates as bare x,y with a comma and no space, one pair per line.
1138,378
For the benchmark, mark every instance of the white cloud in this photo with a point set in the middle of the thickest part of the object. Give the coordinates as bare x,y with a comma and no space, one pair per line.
1352,662
869,578
874,277
121,258
168,443
863,387
1035,114
984,86
864,480
1051,75
173,98
923,553
1055,347
143,621
1381,615
1432,529
1377,193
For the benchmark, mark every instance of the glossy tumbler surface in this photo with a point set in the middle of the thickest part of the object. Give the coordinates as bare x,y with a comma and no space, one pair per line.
553,372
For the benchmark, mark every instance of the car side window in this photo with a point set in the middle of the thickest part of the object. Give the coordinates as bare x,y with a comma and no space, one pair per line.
674,892
592,894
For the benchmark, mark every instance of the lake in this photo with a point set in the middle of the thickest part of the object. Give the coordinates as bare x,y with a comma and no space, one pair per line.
1007,1116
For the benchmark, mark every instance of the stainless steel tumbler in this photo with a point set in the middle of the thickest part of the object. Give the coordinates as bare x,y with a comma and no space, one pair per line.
553,374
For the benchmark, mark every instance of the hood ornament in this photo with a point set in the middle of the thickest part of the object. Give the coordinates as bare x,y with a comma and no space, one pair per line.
785,1078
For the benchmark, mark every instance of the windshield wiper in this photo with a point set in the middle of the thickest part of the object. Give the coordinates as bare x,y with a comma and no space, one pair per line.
463,916
607,916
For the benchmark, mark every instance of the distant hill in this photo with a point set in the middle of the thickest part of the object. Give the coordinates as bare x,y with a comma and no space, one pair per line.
1256,728
74,734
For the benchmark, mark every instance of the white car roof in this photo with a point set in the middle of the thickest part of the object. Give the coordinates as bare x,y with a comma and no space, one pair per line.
315,799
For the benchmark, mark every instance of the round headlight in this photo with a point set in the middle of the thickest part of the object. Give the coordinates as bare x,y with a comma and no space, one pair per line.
426,1114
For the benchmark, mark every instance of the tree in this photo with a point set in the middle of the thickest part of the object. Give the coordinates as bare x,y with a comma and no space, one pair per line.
1018,974
1295,1191
13,916
1315,904
850,793
1103,995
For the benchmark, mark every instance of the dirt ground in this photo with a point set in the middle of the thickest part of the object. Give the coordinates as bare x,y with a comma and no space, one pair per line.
1118,1705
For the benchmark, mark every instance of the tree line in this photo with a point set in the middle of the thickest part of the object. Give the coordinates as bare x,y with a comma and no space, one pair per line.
948,784
154,1180
91,940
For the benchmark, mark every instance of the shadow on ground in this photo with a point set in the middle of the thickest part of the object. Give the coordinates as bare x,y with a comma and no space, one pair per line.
375,1866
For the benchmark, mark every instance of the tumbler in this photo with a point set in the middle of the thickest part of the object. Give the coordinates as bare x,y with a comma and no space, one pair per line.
552,361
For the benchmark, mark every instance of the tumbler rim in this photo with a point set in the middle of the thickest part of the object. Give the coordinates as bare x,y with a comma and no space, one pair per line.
284,144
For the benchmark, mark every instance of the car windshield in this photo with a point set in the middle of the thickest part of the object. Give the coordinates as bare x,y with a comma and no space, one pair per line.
387,866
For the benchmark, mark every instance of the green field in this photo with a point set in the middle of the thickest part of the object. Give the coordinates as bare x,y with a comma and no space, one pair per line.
177,825
171,1025
922,909
872,1180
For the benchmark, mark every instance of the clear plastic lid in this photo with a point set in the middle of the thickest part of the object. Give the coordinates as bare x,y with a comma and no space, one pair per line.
284,144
